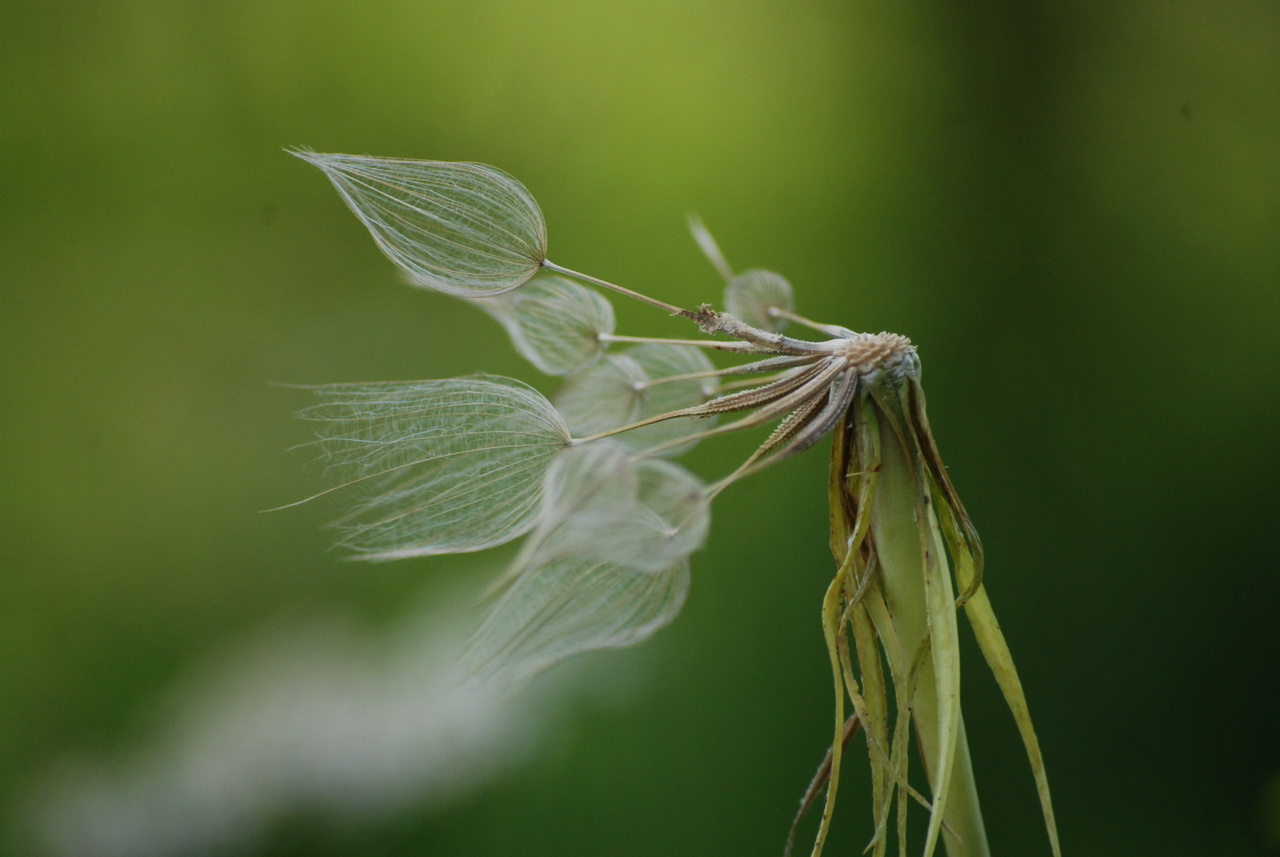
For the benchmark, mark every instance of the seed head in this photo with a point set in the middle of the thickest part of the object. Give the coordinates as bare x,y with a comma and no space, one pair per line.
468,463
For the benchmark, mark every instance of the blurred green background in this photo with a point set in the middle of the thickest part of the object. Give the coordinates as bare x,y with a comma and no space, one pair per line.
1074,211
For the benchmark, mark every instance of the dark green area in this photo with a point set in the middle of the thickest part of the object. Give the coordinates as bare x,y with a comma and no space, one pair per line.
1074,213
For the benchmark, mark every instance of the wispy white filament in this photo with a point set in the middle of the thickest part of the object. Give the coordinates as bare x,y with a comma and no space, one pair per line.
576,604
460,465
464,464
707,244
603,396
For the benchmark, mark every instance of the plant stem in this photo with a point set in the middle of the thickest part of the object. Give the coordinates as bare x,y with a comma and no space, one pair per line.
622,290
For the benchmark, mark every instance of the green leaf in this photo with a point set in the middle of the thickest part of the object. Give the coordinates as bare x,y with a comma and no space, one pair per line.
463,229
996,651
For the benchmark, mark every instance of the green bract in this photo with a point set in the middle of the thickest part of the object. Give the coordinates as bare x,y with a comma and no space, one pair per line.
897,525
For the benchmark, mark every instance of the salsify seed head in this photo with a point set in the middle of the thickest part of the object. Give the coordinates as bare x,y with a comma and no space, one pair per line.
887,357
469,463
610,520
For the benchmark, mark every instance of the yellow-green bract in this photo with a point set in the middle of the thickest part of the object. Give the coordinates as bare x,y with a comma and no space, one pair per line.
897,524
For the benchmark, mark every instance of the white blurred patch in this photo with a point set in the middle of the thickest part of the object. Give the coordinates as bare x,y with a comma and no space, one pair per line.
316,716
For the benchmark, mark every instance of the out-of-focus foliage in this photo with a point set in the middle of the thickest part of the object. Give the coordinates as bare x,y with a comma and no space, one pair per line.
1071,210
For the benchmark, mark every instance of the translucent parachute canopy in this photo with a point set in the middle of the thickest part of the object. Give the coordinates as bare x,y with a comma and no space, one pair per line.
672,517
642,382
464,229
640,513
588,487
606,568
439,466
555,323
752,295
573,605
603,396
669,389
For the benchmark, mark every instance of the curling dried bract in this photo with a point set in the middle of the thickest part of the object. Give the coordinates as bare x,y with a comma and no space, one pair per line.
460,228
440,466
